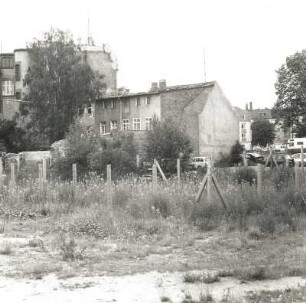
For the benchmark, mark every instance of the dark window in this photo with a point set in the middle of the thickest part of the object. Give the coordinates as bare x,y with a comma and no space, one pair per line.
138,101
148,100
18,96
17,72
7,62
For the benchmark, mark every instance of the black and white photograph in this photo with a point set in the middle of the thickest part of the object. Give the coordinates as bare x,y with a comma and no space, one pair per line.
152,151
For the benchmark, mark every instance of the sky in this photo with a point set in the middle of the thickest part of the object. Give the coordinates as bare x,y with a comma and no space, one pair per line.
238,43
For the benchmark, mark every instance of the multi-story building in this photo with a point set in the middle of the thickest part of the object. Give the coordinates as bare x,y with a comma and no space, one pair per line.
204,111
14,67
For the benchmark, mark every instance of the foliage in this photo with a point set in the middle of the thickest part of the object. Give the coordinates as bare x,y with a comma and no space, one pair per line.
263,133
59,83
291,89
92,153
167,140
235,153
11,137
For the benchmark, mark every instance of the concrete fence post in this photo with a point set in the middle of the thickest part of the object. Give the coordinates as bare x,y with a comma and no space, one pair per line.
109,185
44,168
296,176
154,178
13,178
209,182
259,179
137,161
178,169
74,174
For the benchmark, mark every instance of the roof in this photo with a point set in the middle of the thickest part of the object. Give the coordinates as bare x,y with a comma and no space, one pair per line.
162,90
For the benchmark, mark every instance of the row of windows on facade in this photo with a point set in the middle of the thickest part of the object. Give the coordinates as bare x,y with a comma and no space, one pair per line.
8,62
136,126
8,89
126,103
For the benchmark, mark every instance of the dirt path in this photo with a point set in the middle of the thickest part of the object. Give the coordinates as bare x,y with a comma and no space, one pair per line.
148,288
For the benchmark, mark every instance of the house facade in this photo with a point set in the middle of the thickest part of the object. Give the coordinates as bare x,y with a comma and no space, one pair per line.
14,67
202,109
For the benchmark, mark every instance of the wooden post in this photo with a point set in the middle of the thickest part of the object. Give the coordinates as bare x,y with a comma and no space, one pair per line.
209,182
44,170
160,170
74,174
154,178
40,175
18,164
245,160
178,169
296,176
1,171
302,162
12,181
259,179
137,161
109,185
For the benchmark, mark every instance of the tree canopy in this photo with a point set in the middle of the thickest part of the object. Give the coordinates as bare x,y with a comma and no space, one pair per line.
291,89
167,140
263,132
58,83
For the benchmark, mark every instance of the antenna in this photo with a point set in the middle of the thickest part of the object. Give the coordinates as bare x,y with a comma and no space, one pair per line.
204,66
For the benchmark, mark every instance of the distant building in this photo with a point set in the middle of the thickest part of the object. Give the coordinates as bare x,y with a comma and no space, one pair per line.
14,67
202,108
248,115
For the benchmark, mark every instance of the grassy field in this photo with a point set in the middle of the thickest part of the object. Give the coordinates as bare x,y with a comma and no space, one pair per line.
70,230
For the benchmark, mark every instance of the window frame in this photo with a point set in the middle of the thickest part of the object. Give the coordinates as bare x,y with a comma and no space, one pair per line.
8,88
149,121
138,101
113,125
136,121
125,124
102,126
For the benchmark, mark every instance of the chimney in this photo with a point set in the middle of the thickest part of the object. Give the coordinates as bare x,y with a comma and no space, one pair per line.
154,87
246,107
251,105
162,84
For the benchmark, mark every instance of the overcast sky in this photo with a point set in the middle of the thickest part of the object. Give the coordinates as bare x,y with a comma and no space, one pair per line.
245,41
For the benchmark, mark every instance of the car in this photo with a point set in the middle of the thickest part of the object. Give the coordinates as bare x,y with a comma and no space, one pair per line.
252,159
282,158
297,158
197,162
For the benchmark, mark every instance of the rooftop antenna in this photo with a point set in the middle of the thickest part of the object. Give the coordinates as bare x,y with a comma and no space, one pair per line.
204,66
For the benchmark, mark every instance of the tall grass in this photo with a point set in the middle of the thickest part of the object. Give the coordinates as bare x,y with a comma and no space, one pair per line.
139,211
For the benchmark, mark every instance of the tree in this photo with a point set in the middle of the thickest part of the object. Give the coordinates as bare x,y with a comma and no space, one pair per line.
59,83
263,132
291,89
167,140
11,137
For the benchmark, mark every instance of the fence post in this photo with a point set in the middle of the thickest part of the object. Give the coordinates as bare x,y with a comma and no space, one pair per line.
154,178
296,176
18,164
259,179
12,181
74,174
109,185
245,160
209,182
44,167
137,161
302,163
1,171
178,169
40,174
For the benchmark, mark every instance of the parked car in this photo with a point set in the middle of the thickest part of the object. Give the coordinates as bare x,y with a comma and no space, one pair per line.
297,158
252,159
282,158
197,162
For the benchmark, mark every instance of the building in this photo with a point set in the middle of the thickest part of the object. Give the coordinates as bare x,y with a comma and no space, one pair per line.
248,115
14,67
202,108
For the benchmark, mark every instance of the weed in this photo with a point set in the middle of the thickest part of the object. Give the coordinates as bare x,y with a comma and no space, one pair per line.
6,249
36,243
252,274
204,278
203,298
69,249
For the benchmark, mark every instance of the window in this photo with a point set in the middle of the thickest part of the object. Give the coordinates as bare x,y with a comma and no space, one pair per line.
125,124
8,88
7,62
126,106
102,128
18,96
113,104
17,72
136,124
149,125
90,109
242,125
148,100
138,101
103,105
113,125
